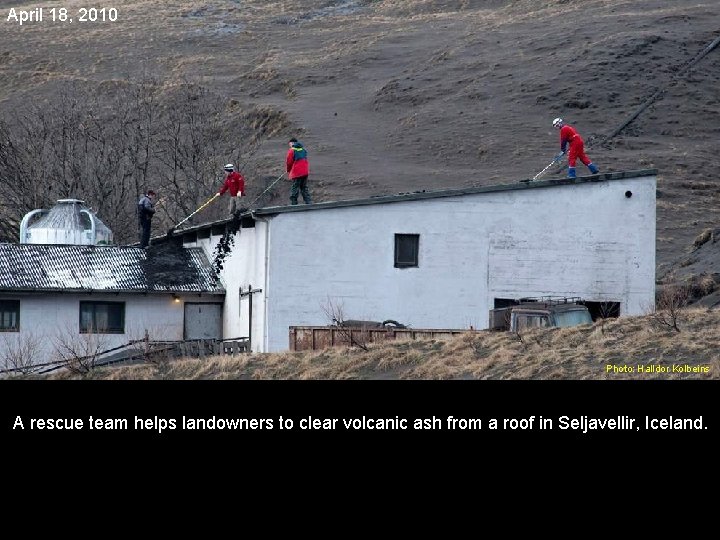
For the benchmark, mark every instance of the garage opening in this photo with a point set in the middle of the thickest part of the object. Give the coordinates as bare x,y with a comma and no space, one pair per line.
603,310
203,321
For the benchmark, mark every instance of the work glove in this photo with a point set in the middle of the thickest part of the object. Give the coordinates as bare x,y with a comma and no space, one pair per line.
559,156
239,194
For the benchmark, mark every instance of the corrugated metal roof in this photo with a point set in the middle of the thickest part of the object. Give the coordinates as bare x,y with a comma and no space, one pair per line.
166,268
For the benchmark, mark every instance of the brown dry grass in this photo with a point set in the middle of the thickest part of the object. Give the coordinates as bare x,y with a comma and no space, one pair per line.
583,352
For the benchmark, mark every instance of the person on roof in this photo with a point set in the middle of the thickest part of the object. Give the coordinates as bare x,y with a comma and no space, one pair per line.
568,136
146,211
235,184
298,170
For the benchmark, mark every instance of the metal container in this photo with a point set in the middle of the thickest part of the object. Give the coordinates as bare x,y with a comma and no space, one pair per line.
68,222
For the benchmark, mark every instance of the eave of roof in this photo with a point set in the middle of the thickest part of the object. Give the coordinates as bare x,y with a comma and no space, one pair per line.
435,194
143,292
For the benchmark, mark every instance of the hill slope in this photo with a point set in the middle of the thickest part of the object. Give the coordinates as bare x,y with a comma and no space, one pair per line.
399,95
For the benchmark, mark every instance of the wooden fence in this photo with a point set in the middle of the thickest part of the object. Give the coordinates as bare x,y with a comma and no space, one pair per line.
313,338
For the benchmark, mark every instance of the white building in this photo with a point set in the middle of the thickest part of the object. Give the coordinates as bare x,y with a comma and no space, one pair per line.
439,259
77,294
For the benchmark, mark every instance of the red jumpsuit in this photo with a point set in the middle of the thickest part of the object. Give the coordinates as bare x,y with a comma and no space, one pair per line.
568,135
234,182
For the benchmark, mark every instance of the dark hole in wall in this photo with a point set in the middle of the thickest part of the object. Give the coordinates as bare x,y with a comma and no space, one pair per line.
247,222
603,310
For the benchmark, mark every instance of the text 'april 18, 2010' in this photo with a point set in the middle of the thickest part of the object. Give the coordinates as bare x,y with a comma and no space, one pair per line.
60,15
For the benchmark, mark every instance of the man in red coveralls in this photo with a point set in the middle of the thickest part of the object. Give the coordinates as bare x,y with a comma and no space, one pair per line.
298,170
235,183
568,135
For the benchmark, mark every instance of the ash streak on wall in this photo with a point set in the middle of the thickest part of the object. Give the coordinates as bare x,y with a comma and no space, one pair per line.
227,241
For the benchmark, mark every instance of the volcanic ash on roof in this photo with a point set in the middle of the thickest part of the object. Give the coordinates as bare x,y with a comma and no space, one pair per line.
169,264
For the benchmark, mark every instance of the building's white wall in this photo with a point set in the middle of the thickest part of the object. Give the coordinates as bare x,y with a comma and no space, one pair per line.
585,240
53,317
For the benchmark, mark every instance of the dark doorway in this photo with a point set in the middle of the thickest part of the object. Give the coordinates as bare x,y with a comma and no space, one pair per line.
603,310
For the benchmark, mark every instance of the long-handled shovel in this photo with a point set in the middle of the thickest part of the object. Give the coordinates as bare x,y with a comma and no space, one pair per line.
211,199
267,189
553,162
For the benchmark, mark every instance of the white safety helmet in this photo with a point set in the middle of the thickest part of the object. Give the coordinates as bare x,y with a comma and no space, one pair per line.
229,167
557,122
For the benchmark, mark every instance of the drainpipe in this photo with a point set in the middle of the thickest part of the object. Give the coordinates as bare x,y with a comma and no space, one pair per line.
266,290
250,341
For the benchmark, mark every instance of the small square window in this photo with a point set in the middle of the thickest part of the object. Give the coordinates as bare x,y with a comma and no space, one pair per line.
9,315
102,317
406,250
